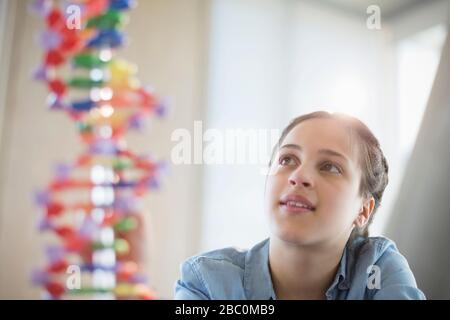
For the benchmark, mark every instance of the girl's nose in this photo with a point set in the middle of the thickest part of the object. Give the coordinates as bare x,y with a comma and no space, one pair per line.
300,178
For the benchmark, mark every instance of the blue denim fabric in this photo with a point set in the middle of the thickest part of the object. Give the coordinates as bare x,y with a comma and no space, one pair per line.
233,274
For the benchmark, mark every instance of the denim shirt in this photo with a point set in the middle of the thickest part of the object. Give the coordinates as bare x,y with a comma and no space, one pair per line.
229,274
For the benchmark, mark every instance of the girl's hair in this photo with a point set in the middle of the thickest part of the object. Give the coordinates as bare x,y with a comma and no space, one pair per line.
374,166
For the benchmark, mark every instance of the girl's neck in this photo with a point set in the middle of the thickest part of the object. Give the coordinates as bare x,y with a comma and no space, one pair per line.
303,272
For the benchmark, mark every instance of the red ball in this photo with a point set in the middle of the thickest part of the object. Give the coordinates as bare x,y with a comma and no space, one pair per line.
54,209
70,40
83,160
58,266
57,86
75,243
54,58
65,231
95,7
55,18
55,289
69,44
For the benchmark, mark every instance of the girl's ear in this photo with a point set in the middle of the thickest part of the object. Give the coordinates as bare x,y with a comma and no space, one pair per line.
365,212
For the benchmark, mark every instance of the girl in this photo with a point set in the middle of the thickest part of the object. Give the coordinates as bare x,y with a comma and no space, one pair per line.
326,181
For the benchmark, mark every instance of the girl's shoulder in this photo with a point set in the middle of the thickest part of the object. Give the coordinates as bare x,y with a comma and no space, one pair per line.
378,251
228,255
220,274
379,260
377,244
374,248
233,255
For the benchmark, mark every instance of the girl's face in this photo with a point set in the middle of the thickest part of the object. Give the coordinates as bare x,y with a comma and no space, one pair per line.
317,166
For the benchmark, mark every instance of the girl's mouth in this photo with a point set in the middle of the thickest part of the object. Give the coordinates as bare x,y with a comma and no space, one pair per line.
292,206
296,203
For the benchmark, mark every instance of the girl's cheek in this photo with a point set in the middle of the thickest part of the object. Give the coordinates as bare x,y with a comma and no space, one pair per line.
332,200
343,203
275,186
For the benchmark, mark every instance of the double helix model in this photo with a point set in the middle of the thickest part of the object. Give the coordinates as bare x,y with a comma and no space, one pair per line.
91,209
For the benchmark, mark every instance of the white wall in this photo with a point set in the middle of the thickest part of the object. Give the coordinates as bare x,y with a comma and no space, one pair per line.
422,219
269,62
421,216
338,64
273,60
7,16
247,89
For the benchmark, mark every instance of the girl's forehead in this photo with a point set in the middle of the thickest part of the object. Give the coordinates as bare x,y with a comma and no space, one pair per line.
316,134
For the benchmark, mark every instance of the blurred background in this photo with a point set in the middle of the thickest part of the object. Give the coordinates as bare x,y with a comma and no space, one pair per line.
248,64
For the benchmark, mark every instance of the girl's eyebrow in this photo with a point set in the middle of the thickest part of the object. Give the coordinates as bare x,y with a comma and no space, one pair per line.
321,151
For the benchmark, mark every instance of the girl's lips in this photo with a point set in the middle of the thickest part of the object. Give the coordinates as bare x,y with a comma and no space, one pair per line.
296,200
289,207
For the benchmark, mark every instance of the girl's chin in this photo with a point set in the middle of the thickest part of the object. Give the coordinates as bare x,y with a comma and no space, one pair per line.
297,236
295,240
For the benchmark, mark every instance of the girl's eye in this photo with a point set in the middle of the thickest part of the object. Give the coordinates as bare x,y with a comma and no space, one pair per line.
331,168
286,161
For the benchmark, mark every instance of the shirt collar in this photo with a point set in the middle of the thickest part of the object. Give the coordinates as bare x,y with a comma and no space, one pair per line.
257,279
340,280
258,282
